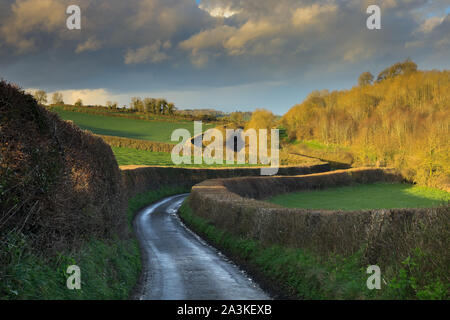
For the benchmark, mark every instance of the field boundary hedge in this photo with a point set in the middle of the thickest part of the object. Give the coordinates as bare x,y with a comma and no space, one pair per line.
386,236
145,145
139,179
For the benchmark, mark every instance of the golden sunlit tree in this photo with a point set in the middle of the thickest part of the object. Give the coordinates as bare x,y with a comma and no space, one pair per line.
401,120
261,119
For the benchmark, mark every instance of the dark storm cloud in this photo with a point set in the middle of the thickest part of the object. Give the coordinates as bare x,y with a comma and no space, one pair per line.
145,45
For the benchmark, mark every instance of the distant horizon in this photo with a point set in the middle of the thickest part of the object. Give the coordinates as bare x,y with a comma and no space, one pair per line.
73,97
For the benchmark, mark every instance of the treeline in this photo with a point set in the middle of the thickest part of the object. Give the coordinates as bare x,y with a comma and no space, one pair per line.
147,108
151,105
402,119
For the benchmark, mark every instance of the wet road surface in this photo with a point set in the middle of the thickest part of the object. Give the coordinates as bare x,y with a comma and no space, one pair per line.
178,265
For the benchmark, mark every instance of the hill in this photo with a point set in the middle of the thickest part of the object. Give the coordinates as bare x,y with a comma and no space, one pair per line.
401,120
158,130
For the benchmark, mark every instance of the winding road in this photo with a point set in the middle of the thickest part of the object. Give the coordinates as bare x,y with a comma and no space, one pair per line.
178,265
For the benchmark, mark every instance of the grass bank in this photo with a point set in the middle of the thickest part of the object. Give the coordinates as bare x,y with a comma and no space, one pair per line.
109,268
365,196
302,274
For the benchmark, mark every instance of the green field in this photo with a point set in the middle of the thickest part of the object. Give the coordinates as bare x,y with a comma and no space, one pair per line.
159,131
371,196
129,156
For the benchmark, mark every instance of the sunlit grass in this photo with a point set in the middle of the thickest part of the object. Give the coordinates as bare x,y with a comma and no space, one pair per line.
129,156
159,131
372,196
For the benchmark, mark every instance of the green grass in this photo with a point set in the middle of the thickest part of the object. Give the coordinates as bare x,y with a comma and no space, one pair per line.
159,131
109,268
305,275
371,196
129,156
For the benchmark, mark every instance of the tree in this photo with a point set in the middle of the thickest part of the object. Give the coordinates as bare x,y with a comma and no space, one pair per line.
149,105
111,105
399,68
171,108
163,106
262,119
41,96
137,104
236,117
160,106
78,103
366,78
57,98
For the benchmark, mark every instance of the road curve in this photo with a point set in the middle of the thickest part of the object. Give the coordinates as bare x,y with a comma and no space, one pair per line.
178,265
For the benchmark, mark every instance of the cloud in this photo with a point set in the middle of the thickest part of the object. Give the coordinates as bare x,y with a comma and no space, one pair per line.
31,16
88,96
151,53
218,11
429,24
169,44
310,15
89,45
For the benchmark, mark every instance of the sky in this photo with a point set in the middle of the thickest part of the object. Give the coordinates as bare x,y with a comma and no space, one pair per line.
224,54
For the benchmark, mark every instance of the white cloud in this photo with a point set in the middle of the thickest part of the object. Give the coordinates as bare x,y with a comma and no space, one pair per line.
429,24
219,12
88,96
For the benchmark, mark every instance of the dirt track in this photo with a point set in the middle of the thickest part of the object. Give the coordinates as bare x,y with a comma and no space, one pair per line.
178,265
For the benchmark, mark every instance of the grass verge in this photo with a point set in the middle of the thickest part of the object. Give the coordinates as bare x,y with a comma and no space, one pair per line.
300,274
109,268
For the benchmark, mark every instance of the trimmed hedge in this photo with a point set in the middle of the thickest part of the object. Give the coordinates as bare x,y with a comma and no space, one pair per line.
137,144
141,179
386,236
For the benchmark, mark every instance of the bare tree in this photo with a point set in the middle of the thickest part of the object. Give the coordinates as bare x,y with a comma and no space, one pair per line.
78,103
41,96
57,98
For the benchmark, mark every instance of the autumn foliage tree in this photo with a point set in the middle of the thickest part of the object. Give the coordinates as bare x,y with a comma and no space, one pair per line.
261,119
402,120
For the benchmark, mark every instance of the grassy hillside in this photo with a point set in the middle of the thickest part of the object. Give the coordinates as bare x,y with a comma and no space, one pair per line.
371,196
159,131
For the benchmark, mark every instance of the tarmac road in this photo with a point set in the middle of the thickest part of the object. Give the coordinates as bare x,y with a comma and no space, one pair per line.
178,265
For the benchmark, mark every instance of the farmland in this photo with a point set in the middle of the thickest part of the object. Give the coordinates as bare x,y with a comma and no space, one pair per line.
371,196
130,156
159,131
